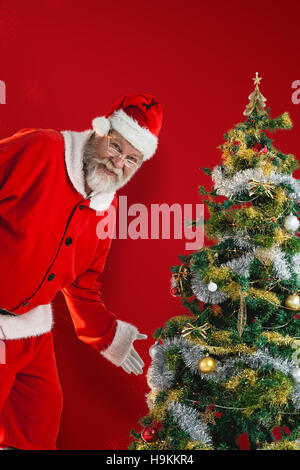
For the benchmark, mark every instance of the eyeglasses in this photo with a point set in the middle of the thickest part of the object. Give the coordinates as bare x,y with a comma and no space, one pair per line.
112,151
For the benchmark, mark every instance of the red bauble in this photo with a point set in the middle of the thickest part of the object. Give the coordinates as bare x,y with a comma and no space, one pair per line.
257,147
243,441
149,434
276,433
174,291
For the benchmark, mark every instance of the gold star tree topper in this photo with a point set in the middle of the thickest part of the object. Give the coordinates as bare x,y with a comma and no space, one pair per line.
257,79
257,100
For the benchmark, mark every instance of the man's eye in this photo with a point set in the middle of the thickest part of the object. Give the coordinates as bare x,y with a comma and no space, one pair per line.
116,147
132,159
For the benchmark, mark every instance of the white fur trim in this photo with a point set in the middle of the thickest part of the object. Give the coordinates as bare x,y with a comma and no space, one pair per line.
121,344
74,145
101,202
33,323
101,125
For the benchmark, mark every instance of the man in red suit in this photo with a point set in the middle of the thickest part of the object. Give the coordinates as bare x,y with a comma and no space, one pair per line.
53,185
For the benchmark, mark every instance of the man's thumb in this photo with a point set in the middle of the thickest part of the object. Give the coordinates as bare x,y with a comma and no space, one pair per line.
140,336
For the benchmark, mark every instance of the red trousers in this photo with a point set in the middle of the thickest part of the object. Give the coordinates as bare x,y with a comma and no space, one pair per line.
30,394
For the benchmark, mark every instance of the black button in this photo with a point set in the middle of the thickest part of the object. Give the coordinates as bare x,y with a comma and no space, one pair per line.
26,303
68,241
51,276
81,207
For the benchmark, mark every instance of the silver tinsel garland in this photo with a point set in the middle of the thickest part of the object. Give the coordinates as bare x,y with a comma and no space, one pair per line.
202,293
240,240
282,269
240,265
262,357
280,178
295,397
160,378
296,263
239,183
187,418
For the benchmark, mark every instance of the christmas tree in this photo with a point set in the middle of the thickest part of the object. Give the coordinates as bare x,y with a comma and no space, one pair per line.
226,375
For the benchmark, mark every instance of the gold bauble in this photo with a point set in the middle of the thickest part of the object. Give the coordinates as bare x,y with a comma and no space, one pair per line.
207,365
293,302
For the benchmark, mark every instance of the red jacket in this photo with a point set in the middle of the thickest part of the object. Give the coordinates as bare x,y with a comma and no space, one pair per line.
48,231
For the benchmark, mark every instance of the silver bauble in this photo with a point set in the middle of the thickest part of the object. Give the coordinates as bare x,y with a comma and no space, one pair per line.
153,349
296,375
296,345
212,287
291,223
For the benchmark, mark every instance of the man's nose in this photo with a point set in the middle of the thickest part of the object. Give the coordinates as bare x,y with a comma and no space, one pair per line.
118,162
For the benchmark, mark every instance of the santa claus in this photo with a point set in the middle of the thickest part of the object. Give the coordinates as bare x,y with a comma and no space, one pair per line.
53,185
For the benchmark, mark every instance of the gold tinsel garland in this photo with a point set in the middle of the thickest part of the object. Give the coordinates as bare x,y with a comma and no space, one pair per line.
222,350
281,445
234,382
277,338
158,411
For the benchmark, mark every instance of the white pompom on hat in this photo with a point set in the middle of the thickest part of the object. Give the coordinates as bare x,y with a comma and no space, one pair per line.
138,118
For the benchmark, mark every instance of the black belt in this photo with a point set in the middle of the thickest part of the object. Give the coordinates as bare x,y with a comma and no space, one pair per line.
6,312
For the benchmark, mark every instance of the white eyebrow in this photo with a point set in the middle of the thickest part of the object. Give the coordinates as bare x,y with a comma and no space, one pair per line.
131,154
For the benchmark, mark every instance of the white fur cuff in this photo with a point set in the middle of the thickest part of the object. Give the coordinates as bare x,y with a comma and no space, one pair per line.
33,323
121,344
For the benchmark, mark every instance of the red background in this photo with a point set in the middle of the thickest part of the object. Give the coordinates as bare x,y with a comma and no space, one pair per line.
66,62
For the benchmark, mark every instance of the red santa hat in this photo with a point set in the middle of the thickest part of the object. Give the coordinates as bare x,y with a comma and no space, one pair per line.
138,118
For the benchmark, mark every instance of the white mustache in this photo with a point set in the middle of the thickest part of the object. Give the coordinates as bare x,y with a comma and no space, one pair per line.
106,162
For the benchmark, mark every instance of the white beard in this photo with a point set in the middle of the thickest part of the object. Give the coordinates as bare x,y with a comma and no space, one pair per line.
96,178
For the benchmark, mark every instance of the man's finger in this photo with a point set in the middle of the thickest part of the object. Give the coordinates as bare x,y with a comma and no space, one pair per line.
129,364
133,368
124,366
135,364
135,354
